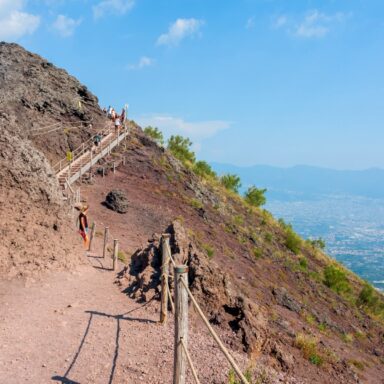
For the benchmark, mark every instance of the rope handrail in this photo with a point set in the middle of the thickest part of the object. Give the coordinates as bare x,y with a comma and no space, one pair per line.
194,373
214,334
170,255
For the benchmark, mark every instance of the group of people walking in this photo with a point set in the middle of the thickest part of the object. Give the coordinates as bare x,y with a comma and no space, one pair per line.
82,221
115,117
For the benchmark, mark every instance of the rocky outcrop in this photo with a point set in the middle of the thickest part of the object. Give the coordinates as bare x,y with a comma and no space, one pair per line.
117,201
211,287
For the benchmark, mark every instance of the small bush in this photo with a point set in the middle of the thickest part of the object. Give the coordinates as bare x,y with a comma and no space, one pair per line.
232,377
292,240
268,237
210,251
368,297
257,253
122,256
155,134
255,197
231,182
303,263
196,203
203,169
180,148
308,346
347,337
317,243
336,279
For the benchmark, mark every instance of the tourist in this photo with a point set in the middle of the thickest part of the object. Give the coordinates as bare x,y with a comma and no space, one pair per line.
83,225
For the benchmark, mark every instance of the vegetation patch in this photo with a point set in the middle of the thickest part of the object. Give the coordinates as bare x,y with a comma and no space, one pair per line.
231,182
155,134
208,249
255,197
309,348
336,279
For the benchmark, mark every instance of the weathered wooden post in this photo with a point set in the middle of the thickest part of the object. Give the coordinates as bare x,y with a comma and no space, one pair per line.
92,236
115,253
164,277
181,324
106,233
114,167
103,173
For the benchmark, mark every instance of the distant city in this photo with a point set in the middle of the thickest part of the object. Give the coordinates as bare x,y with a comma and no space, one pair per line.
351,226
345,208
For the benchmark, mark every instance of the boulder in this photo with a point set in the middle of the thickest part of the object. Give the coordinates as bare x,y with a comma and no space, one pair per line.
117,201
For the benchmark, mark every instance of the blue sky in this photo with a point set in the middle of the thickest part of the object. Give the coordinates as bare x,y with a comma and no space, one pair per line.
274,82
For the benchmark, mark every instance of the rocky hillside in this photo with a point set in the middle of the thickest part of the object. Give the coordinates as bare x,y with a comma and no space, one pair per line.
261,285
36,231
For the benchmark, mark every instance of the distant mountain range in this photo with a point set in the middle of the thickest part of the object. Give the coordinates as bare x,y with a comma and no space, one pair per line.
306,182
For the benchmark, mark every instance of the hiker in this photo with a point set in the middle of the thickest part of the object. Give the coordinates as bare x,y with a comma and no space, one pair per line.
83,225
109,112
96,140
113,114
117,124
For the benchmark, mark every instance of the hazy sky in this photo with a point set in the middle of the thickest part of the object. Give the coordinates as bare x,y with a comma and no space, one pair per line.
278,82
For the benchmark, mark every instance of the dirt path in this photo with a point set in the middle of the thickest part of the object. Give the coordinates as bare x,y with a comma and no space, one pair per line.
77,327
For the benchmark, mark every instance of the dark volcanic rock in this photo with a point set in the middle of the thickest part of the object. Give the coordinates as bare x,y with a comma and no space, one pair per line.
286,300
117,201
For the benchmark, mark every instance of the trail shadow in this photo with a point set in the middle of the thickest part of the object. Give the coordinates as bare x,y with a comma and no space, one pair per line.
97,260
64,379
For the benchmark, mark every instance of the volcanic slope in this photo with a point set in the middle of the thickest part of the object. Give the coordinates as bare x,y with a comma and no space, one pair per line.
36,231
269,301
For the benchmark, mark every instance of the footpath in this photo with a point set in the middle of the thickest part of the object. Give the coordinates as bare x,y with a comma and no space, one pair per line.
77,327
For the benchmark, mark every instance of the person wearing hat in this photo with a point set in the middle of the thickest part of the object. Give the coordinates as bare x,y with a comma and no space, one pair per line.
83,225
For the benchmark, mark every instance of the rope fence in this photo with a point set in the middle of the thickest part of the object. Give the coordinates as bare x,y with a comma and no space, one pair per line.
180,311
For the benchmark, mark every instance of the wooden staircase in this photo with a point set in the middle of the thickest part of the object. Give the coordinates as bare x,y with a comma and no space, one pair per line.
86,156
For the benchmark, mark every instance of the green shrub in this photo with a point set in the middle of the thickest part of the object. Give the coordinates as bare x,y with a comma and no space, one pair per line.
203,169
292,240
336,279
196,203
367,297
232,377
231,182
155,134
122,256
317,243
308,346
268,237
257,253
303,263
210,251
255,196
180,148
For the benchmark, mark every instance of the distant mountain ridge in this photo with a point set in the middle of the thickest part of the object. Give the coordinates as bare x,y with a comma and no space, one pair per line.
308,182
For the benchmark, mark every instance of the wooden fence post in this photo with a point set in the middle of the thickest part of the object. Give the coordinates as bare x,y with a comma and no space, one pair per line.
181,324
115,253
106,233
92,235
103,172
164,277
114,167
